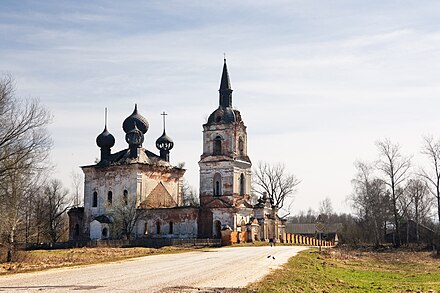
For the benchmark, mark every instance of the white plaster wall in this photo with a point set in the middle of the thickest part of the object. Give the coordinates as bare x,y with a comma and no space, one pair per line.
207,171
186,229
95,230
224,216
105,180
230,134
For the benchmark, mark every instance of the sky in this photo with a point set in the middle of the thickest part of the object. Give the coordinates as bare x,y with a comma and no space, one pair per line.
317,82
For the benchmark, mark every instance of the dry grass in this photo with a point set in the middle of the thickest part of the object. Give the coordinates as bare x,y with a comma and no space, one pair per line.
44,259
337,270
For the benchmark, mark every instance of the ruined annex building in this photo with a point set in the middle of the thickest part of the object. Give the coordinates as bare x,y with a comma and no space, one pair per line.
137,187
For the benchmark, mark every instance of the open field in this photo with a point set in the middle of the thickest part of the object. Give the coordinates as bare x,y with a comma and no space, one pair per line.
338,270
44,259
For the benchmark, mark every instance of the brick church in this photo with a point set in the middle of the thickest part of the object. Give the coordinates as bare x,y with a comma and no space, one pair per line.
137,187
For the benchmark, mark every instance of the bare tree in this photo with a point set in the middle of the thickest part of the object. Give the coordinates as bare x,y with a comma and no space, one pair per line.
189,194
126,216
370,201
56,202
77,183
325,209
275,182
24,147
395,168
418,202
431,149
24,140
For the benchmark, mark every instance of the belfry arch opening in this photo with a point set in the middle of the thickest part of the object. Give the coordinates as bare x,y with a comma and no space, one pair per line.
95,199
217,184
217,148
242,184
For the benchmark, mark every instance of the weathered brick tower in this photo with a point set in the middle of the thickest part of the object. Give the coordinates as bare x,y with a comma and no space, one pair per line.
225,168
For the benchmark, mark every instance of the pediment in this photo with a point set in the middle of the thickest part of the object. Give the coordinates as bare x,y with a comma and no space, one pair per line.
217,203
159,197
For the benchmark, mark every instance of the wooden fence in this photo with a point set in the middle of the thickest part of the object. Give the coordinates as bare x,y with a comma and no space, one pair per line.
286,238
142,242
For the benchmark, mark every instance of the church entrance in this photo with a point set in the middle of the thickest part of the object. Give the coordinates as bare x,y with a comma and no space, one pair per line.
217,231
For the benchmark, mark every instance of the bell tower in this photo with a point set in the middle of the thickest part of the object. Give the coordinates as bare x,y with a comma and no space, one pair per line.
225,168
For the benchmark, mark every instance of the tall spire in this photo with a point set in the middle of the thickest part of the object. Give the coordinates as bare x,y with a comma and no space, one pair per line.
225,88
105,123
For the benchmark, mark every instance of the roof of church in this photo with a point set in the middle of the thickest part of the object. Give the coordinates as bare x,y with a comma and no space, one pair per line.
225,113
123,158
104,219
135,126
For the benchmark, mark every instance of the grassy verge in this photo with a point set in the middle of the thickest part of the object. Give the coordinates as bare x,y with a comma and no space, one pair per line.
353,271
44,259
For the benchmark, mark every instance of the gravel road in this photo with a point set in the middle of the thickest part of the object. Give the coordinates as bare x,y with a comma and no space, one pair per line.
216,270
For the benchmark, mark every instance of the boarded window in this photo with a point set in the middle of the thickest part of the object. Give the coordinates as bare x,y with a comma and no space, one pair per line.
95,199
171,226
218,145
157,227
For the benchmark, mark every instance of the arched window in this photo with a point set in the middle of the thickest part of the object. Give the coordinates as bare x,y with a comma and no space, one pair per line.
125,197
242,184
110,198
95,199
217,145
104,233
171,228
240,146
217,184
157,227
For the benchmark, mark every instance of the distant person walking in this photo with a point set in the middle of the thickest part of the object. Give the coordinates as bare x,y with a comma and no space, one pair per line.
274,242
270,242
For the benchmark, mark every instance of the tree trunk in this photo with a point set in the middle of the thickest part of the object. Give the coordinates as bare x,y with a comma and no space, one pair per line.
396,221
438,207
376,233
10,255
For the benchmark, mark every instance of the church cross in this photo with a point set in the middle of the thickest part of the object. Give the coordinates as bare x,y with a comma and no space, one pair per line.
164,114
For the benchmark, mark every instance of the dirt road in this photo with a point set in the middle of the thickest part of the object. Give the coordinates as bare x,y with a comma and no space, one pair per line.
201,271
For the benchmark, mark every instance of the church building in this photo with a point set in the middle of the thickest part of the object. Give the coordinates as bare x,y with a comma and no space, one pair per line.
136,193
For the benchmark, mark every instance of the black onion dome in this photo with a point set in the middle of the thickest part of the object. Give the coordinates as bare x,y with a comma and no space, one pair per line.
222,115
164,143
105,139
135,118
134,136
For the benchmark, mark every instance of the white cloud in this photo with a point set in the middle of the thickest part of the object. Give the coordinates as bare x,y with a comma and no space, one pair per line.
317,83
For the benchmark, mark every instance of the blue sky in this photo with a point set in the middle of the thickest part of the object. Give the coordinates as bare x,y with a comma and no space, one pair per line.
317,82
